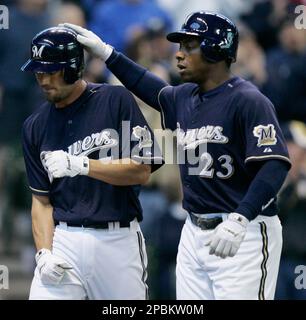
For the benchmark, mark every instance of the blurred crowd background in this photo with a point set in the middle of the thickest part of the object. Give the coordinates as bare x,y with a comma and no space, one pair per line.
272,54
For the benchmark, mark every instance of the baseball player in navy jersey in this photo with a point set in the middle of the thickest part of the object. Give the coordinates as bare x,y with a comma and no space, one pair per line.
87,150
231,242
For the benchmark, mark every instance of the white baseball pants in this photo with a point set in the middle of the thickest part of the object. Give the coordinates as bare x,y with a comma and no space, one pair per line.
107,264
250,275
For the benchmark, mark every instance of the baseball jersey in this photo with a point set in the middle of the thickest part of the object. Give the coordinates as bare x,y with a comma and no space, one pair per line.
225,129
99,124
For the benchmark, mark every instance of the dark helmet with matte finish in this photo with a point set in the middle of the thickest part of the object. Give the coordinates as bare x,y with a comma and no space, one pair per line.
218,35
54,49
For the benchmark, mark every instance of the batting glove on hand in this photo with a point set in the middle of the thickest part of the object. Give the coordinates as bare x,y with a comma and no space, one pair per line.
51,268
60,164
91,42
228,236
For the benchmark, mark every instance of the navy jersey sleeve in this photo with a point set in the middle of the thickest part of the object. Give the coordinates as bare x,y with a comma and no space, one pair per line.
167,108
138,142
37,176
260,129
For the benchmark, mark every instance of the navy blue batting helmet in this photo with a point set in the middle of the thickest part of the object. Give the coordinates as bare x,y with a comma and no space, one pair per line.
54,49
218,35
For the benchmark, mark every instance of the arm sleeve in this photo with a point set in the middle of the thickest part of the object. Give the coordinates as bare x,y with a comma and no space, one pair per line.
260,130
264,188
37,176
138,142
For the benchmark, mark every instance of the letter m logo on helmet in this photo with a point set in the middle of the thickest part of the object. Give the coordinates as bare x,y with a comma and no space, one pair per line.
37,52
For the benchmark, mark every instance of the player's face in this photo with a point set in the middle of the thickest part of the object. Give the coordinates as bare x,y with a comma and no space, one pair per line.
190,62
53,85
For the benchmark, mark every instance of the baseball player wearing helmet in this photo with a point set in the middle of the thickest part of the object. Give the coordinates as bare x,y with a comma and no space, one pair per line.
85,178
231,242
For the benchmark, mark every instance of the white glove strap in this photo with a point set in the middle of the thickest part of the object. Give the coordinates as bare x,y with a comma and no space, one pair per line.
107,52
77,165
239,218
41,253
85,167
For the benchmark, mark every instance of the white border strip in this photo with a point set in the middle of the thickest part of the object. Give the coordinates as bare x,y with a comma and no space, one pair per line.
42,191
267,157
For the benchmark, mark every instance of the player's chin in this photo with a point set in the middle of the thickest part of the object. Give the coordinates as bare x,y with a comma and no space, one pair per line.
183,74
52,98
186,77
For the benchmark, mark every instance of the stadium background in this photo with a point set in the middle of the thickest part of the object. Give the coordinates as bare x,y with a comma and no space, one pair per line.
272,54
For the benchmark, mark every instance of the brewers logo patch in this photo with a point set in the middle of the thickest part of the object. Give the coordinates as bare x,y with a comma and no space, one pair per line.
266,135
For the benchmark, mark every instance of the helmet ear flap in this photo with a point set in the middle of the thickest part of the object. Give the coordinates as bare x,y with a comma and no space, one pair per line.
74,71
70,76
211,51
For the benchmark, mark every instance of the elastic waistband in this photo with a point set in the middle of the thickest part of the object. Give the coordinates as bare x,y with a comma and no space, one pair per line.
111,225
222,215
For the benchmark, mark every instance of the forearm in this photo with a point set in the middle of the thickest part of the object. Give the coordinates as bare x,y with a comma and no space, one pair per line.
263,189
118,173
42,224
137,79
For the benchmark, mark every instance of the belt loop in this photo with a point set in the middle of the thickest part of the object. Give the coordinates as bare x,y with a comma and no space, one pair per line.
224,216
134,225
110,226
63,224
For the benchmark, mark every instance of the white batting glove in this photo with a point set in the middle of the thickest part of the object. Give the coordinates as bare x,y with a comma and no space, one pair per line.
43,161
91,42
228,235
61,164
51,268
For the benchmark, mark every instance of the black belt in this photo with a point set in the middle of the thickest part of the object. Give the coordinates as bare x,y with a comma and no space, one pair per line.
97,225
205,223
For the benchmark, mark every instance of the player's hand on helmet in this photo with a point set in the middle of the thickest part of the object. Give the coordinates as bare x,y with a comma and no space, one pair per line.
228,235
61,164
51,268
91,42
